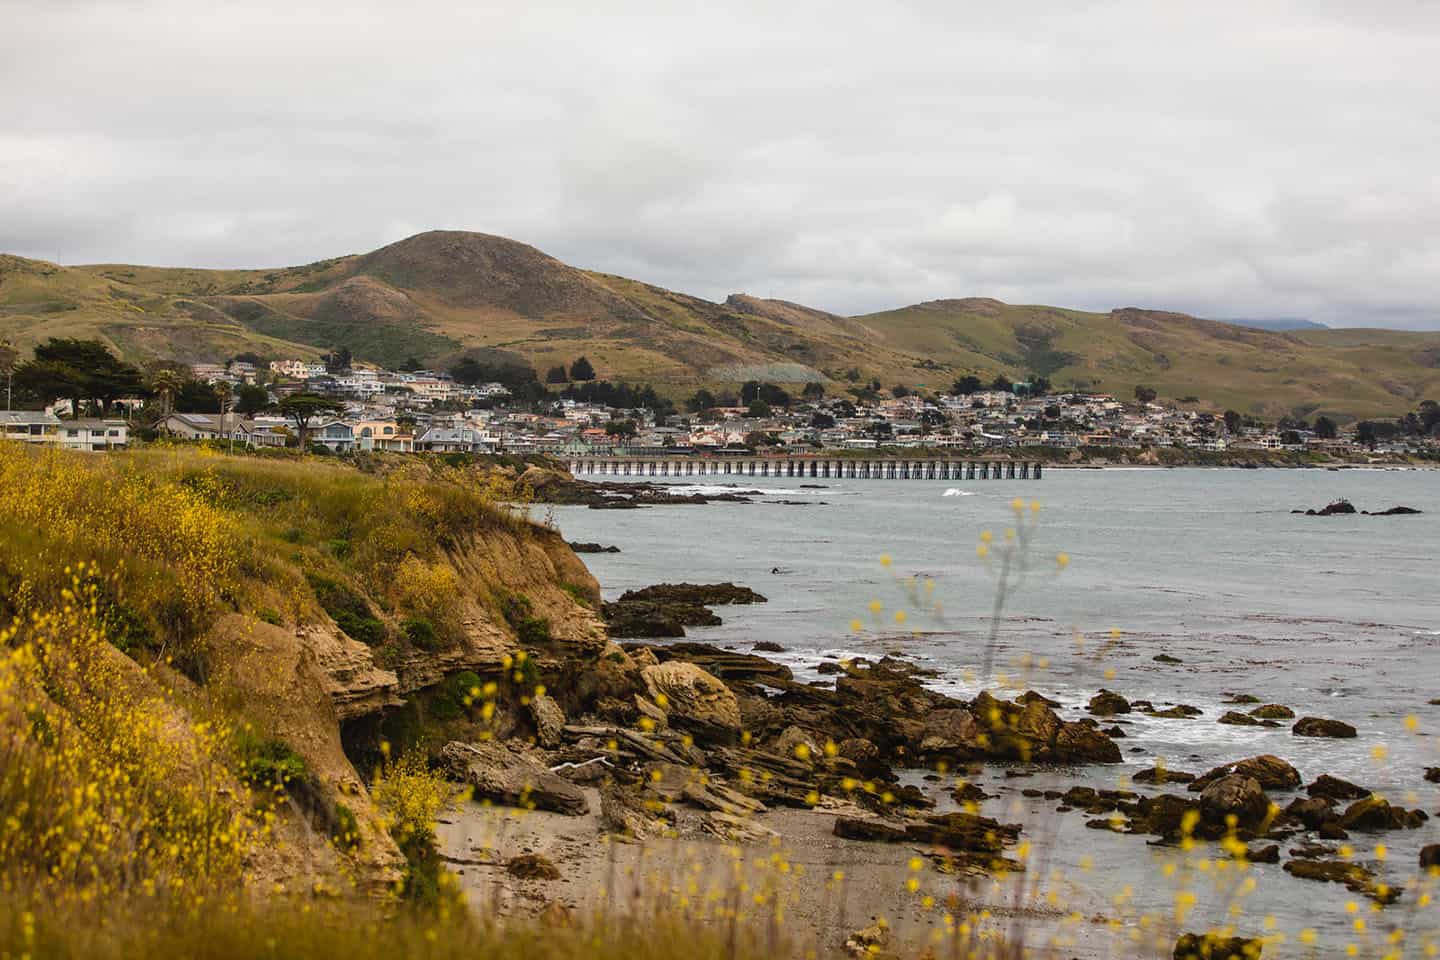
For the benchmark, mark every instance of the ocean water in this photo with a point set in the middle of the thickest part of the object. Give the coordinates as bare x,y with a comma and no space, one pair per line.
1333,616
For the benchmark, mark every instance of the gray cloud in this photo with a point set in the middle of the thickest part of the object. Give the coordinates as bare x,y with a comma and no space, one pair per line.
1230,159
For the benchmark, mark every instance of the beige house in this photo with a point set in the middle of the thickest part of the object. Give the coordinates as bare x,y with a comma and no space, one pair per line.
383,435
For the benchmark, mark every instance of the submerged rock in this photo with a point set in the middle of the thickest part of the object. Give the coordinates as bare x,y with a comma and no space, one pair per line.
1355,877
1236,719
1394,512
1320,727
1273,711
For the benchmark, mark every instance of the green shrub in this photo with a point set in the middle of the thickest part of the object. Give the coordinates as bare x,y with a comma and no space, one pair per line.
346,830
578,593
421,633
348,609
338,548
533,631
266,615
268,762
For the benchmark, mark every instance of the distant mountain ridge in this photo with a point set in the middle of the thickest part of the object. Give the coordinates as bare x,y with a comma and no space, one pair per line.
435,296
1276,323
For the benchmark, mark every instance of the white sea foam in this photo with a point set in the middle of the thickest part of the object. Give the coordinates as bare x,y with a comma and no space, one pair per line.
957,492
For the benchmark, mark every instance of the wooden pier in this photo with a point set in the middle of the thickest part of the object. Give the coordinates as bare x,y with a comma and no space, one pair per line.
807,466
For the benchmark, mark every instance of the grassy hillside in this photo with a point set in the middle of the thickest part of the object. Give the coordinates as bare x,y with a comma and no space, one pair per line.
436,295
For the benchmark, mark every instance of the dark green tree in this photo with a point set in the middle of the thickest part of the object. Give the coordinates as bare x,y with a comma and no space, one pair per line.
701,400
1233,421
557,374
582,370
251,399
1325,428
1144,394
758,409
301,408
966,385
621,428
813,391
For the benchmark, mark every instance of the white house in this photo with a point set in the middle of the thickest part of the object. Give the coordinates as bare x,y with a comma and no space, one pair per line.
29,426
93,434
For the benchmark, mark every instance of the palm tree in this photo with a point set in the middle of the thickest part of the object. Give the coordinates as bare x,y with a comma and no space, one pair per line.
166,383
8,356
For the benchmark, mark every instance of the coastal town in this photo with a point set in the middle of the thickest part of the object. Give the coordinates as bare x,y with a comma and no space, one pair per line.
348,406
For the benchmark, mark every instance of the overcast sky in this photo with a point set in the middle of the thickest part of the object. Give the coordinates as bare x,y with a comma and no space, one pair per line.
1228,159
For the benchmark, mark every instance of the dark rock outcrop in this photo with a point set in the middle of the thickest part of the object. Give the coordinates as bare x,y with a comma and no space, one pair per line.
1320,727
580,547
1273,711
1331,509
700,594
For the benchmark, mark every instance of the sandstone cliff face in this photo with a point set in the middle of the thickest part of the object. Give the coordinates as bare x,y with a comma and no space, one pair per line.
301,682
282,676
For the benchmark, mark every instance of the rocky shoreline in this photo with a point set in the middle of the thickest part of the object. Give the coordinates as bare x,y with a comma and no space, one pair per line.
693,740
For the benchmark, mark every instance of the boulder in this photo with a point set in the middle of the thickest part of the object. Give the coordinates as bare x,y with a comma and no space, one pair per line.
1375,813
1210,946
1432,774
1107,703
626,811
1235,795
497,773
1236,719
1320,727
1430,857
549,721
952,732
1394,512
767,646
1271,772
797,743
1312,812
1336,789
1082,743
734,828
1273,711
693,699
1166,658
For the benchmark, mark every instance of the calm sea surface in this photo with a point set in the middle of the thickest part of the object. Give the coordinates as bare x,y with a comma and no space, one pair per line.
1336,617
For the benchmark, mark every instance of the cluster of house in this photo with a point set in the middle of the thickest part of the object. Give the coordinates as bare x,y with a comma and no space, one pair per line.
401,412
359,382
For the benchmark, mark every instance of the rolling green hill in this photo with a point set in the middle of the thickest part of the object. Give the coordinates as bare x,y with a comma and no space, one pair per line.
437,295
